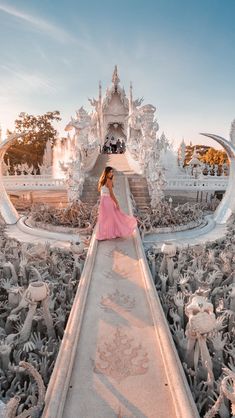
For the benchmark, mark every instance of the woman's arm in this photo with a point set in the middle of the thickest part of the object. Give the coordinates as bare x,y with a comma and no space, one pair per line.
109,184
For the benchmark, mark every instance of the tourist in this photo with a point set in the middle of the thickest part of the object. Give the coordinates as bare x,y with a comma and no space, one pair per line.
112,221
113,145
107,146
106,149
118,146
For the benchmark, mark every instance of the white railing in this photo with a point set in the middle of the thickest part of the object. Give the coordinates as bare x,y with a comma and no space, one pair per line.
34,182
30,182
202,183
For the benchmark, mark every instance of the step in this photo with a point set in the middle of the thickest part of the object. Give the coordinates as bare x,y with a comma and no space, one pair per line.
141,194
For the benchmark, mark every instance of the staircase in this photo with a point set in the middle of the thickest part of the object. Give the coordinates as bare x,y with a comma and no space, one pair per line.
138,184
119,163
139,190
90,193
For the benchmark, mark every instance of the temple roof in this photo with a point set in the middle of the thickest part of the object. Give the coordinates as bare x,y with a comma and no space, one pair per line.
115,88
195,160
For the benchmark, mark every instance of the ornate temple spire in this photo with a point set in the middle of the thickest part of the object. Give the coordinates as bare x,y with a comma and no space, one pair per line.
100,92
195,158
131,91
115,78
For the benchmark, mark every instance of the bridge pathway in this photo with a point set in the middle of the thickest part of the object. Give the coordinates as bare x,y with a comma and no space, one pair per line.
112,363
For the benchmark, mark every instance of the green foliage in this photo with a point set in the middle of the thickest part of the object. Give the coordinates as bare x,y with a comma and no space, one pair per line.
39,129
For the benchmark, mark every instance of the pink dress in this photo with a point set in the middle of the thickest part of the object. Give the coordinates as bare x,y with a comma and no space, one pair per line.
112,222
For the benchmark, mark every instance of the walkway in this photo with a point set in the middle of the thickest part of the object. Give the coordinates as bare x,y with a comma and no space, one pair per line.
117,358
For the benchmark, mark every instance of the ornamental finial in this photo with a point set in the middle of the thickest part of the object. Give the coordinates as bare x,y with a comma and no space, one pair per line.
115,78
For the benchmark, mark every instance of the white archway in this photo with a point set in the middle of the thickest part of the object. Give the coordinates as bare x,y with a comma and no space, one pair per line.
227,205
8,211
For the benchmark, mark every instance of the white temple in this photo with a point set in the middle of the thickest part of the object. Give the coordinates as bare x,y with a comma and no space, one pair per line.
118,123
115,117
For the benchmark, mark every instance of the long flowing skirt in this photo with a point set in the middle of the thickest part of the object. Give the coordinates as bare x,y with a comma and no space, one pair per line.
113,222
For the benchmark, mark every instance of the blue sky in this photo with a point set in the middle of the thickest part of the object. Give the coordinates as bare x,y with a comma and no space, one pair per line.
180,56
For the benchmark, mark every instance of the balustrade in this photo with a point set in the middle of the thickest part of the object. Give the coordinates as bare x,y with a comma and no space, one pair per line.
32,182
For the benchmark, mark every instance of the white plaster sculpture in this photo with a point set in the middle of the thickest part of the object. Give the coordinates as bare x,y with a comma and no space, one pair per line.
232,132
7,209
198,298
227,205
37,286
46,166
74,177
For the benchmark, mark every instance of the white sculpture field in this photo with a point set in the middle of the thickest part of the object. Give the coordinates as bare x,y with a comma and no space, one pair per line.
126,328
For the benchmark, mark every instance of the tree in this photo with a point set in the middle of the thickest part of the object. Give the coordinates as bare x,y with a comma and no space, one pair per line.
214,156
30,148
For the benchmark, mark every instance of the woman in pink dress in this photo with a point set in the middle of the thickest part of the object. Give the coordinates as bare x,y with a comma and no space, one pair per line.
112,221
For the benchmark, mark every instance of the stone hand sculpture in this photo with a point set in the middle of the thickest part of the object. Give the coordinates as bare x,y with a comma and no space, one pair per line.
35,300
198,301
34,411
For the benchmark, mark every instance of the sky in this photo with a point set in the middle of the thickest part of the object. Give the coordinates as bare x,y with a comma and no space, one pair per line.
179,55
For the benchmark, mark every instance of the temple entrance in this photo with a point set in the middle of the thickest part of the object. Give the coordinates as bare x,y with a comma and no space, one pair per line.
115,139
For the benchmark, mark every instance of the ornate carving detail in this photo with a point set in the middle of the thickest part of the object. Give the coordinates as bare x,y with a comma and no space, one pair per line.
121,251
74,177
115,274
121,358
232,132
117,300
107,274
120,271
12,405
115,78
110,251
115,88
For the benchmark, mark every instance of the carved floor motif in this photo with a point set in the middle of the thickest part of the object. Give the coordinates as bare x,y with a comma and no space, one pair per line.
110,274
116,249
120,413
107,274
124,273
120,358
121,251
117,300
109,253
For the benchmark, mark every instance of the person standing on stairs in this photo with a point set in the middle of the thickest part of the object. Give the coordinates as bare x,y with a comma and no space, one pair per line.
112,221
113,145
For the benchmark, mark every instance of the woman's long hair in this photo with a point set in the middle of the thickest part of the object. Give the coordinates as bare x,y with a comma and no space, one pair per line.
103,177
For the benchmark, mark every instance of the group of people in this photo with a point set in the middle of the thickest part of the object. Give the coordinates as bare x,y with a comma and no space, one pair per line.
113,146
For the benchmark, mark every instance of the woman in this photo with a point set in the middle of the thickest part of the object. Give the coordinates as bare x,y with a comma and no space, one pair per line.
112,222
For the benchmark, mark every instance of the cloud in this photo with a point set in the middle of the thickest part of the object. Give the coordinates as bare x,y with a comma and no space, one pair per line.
39,24
17,82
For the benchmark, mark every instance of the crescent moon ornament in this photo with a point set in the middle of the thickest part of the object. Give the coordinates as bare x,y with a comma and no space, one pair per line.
8,211
227,205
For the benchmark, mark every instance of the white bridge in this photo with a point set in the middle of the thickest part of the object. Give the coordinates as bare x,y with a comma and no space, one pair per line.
187,183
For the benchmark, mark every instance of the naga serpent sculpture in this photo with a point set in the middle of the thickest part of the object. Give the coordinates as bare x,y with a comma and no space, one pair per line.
227,205
7,210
